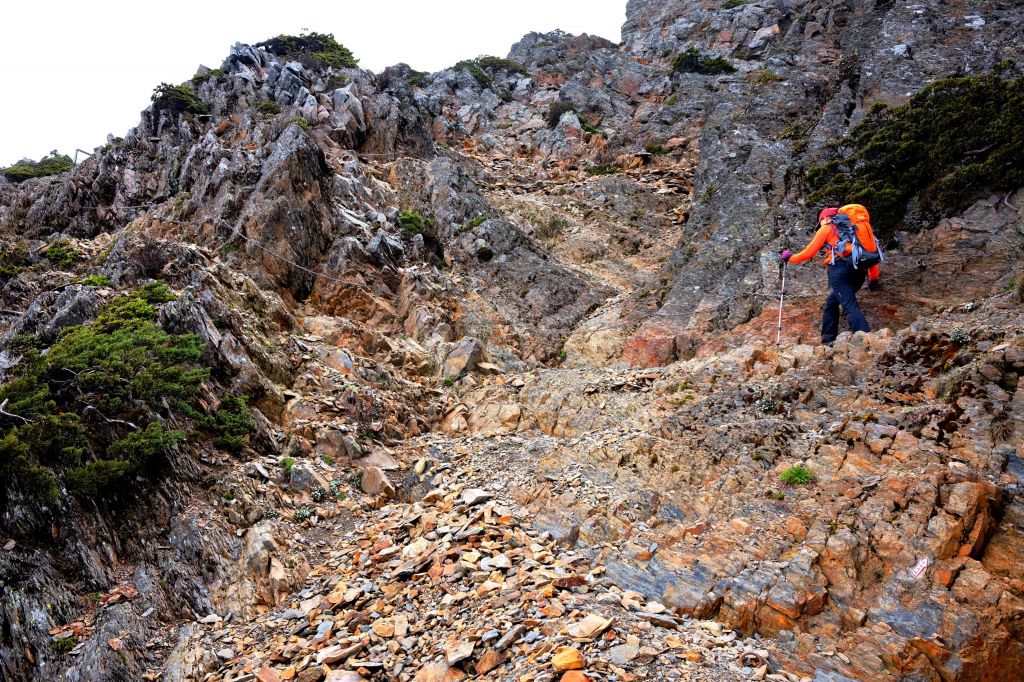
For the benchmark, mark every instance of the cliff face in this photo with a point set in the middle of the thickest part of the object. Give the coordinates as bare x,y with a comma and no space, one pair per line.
505,335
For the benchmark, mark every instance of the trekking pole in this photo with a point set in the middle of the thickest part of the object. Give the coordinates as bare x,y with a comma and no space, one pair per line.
782,296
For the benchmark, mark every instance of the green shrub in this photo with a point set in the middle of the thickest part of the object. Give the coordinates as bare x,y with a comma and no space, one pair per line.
603,169
156,291
475,71
555,111
96,281
417,79
178,99
800,134
99,479
955,140
692,61
288,463
301,122
212,74
500,64
94,381
655,148
125,458
472,224
233,422
62,645
733,4
672,100
590,128
13,262
142,448
48,165
312,50
267,106
413,223
327,459
766,77
17,470
449,381
797,475
61,253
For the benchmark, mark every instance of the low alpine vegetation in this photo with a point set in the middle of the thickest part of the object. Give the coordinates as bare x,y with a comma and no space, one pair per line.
603,169
61,253
951,143
212,74
500,64
53,164
93,408
177,99
475,71
412,223
478,68
267,106
798,475
693,61
96,281
312,50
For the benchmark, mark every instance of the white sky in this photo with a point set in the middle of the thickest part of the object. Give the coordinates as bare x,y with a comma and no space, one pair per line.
76,70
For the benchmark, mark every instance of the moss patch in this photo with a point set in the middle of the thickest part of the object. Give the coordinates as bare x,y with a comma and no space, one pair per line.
954,141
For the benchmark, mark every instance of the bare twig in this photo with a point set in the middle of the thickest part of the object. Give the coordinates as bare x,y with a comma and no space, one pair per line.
1006,200
10,414
980,150
93,408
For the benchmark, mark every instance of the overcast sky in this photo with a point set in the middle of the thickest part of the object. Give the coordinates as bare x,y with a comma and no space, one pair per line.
74,71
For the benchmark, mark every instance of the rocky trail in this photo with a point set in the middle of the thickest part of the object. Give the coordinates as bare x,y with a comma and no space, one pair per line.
517,553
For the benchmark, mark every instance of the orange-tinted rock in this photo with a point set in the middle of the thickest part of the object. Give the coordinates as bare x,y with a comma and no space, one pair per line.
490,660
267,674
576,676
796,527
567,658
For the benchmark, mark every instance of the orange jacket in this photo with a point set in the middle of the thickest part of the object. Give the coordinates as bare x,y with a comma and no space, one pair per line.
827,236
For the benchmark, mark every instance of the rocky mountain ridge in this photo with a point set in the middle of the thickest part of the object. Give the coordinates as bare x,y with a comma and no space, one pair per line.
512,372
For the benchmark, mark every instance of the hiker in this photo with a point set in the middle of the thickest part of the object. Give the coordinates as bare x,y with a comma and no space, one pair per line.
851,255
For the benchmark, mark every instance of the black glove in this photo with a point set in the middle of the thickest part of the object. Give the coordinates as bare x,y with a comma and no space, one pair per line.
874,284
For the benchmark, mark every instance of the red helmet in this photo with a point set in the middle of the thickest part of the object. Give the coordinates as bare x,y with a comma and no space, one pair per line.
827,213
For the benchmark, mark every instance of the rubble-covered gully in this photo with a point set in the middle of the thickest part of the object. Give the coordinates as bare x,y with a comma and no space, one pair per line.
519,421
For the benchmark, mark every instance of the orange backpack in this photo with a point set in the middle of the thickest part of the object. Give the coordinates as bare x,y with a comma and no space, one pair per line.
855,238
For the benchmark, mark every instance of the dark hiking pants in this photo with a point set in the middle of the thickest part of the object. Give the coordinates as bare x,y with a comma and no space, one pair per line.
844,280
